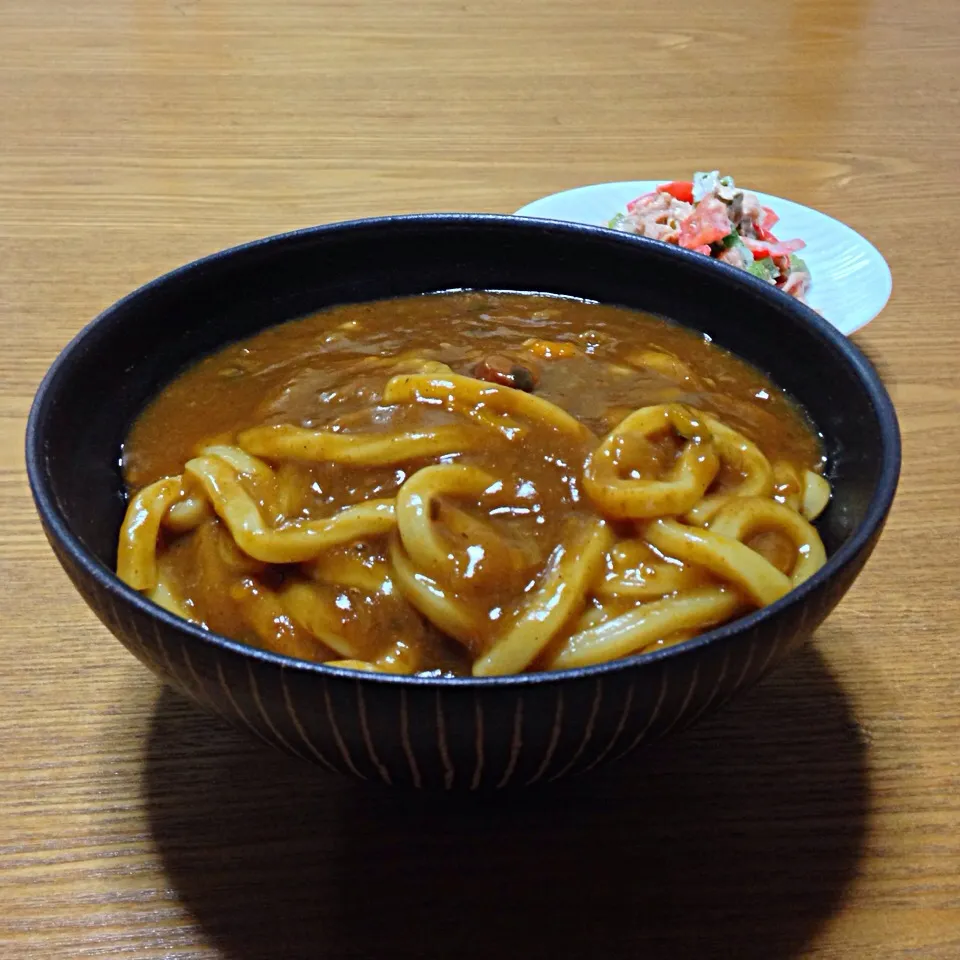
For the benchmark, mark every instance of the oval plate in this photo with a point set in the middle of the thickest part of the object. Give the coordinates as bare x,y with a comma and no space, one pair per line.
850,283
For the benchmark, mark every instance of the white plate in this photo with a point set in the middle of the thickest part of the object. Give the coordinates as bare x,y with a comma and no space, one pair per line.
850,283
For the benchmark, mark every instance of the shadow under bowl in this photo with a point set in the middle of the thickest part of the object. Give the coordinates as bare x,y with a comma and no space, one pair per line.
447,733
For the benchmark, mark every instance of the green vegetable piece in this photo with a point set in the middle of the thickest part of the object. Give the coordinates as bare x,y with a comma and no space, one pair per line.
797,264
616,221
765,269
732,240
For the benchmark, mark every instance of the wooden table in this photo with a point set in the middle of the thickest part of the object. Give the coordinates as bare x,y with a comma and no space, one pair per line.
817,818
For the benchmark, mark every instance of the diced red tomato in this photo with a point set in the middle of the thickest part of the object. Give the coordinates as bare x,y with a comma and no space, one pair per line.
707,224
681,189
764,227
766,248
704,249
769,220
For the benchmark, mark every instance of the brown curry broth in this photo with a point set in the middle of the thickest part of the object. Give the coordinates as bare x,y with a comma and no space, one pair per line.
326,369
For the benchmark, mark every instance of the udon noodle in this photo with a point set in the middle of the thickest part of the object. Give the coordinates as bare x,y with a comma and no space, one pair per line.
470,484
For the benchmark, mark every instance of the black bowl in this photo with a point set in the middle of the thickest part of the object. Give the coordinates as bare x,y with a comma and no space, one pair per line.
460,733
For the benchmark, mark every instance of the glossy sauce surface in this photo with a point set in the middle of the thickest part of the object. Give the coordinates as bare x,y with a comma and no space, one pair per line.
597,363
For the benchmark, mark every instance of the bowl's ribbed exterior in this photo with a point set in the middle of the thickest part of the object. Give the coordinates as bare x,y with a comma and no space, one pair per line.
447,737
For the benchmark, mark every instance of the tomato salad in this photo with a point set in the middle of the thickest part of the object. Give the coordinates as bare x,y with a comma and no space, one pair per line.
712,216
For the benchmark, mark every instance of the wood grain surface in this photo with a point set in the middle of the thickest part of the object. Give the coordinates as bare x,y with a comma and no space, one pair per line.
819,817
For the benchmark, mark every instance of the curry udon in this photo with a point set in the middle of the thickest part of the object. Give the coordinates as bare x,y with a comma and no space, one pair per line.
470,483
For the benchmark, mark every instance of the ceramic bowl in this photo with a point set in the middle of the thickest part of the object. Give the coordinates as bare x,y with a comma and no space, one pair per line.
447,733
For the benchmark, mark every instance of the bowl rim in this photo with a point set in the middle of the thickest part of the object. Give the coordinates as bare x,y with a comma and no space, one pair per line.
880,502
